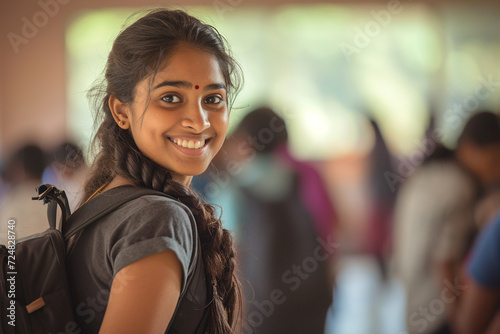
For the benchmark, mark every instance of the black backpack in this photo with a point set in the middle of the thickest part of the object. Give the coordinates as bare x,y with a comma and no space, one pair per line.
34,290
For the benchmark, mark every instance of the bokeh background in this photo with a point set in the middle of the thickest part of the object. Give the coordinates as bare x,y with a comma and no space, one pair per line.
327,67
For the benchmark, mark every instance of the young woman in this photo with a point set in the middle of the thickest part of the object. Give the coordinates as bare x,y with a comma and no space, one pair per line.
164,108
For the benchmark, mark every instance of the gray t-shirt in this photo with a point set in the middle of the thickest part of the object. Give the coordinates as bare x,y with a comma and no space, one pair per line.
141,227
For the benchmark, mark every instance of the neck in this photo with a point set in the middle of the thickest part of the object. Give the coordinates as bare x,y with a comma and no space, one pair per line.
184,179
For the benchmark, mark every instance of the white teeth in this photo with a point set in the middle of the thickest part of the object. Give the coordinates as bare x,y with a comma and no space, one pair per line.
189,144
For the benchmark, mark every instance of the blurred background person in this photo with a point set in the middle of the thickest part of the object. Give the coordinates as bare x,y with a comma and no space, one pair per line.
479,305
381,198
284,221
23,173
478,309
67,171
435,225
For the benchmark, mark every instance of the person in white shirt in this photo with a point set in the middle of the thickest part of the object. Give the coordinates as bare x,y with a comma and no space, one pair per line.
434,223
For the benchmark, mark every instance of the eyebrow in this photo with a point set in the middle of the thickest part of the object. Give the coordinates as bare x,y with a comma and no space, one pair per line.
188,85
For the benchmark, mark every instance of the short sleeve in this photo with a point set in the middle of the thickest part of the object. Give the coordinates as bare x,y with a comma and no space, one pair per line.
484,265
153,224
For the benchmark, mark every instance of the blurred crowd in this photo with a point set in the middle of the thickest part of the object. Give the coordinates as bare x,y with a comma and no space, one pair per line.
435,230
427,224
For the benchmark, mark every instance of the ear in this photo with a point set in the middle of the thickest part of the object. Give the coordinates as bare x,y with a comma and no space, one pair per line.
120,112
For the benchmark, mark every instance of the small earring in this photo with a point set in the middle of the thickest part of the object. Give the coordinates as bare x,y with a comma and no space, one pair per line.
122,123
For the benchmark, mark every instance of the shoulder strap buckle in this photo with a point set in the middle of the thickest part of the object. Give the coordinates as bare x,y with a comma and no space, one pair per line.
53,196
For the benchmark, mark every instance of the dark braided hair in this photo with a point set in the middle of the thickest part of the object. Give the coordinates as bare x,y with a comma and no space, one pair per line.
138,53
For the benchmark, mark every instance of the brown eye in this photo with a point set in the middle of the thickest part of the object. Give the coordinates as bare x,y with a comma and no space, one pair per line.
214,99
171,98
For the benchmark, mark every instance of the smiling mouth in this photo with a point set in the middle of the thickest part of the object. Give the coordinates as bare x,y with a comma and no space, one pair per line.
191,144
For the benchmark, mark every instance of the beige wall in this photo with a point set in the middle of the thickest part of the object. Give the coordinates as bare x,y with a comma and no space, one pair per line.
32,80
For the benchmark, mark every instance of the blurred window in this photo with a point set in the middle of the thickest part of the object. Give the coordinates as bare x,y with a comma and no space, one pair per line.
327,67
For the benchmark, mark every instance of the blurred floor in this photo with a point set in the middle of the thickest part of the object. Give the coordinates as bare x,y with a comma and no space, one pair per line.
363,303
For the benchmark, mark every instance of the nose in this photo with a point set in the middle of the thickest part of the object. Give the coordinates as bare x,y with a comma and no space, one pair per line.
195,118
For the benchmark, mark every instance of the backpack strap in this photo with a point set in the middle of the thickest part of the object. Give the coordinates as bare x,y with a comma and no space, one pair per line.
100,206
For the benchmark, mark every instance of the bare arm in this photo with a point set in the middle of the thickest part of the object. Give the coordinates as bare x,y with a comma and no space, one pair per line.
144,295
476,310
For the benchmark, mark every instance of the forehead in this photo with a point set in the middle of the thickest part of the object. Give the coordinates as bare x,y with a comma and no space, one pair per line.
192,65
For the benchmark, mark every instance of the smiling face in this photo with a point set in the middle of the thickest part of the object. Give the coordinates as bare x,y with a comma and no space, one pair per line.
182,123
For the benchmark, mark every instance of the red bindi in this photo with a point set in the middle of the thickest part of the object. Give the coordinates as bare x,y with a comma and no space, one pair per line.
196,87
